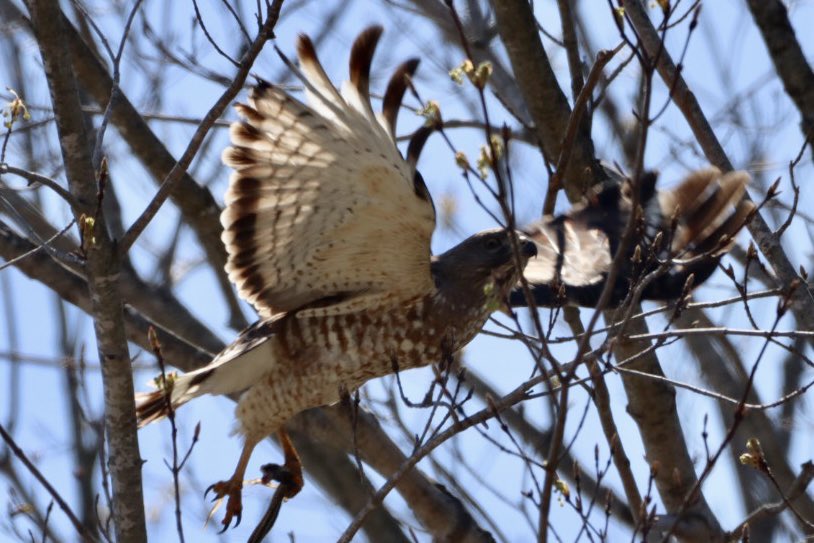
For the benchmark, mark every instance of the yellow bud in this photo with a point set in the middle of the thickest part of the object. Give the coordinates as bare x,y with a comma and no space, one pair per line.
497,145
166,381
484,162
461,160
619,15
748,460
15,109
431,112
482,74
457,75
562,487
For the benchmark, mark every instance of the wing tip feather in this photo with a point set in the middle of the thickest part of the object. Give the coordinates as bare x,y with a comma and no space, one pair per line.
306,51
711,205
361,58
394,94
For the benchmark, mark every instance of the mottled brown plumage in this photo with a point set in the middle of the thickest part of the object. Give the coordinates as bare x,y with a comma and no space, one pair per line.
328,233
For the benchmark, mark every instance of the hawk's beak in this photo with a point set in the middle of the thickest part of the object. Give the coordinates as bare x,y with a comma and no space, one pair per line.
527,247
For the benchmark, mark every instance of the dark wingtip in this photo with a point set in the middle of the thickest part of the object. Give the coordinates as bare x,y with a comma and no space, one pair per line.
260,88
262,85
417,143
395,91
305,49
361,57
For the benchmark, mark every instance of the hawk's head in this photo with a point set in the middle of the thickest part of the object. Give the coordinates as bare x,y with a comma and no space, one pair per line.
482,268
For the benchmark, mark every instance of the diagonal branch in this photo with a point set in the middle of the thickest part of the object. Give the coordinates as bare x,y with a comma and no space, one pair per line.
772,18
56,496
547,103
196,203
802,302
170,181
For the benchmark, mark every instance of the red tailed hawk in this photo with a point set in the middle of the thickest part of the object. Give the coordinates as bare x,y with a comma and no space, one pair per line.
328,232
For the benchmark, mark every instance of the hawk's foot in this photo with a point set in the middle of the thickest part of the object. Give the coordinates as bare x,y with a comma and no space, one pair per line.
284,476
289,475
231,490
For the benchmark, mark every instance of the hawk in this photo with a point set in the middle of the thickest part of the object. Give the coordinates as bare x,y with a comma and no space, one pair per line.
679,237
327,229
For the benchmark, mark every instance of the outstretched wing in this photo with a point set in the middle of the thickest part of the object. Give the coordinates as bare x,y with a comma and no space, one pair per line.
575,250
323,215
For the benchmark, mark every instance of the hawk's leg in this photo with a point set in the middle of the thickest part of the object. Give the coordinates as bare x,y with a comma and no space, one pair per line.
290,473
232,488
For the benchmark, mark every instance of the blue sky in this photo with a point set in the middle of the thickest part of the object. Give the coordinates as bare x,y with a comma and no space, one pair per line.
726,32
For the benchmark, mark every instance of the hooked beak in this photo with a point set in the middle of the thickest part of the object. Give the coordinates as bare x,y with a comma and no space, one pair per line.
527,247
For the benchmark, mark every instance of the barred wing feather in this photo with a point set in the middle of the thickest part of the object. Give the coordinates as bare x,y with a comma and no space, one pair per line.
320,189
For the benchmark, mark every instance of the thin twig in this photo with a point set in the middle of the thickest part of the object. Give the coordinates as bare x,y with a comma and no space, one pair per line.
33,177
580,105
18,452
38,248
266,32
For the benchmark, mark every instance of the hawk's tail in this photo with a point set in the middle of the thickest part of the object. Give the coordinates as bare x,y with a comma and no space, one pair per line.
173,390
151,406
701,216
234,369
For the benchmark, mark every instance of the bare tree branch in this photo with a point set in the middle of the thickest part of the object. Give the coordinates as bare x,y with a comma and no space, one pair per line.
102,269
771,17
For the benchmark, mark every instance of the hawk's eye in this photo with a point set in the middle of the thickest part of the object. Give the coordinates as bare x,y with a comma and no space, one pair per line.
492,244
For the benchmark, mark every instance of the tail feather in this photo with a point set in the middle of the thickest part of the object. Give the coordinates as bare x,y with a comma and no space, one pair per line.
685,196
236,368
151,406
155,405
726,230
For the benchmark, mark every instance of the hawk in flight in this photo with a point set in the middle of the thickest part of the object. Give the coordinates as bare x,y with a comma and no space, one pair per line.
328,229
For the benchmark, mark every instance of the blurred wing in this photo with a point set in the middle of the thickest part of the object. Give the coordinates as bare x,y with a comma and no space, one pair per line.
579,256
708,206
323,215
700,216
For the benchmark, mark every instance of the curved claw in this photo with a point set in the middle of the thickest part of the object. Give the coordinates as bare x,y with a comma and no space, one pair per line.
230,490
209,489
227,520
